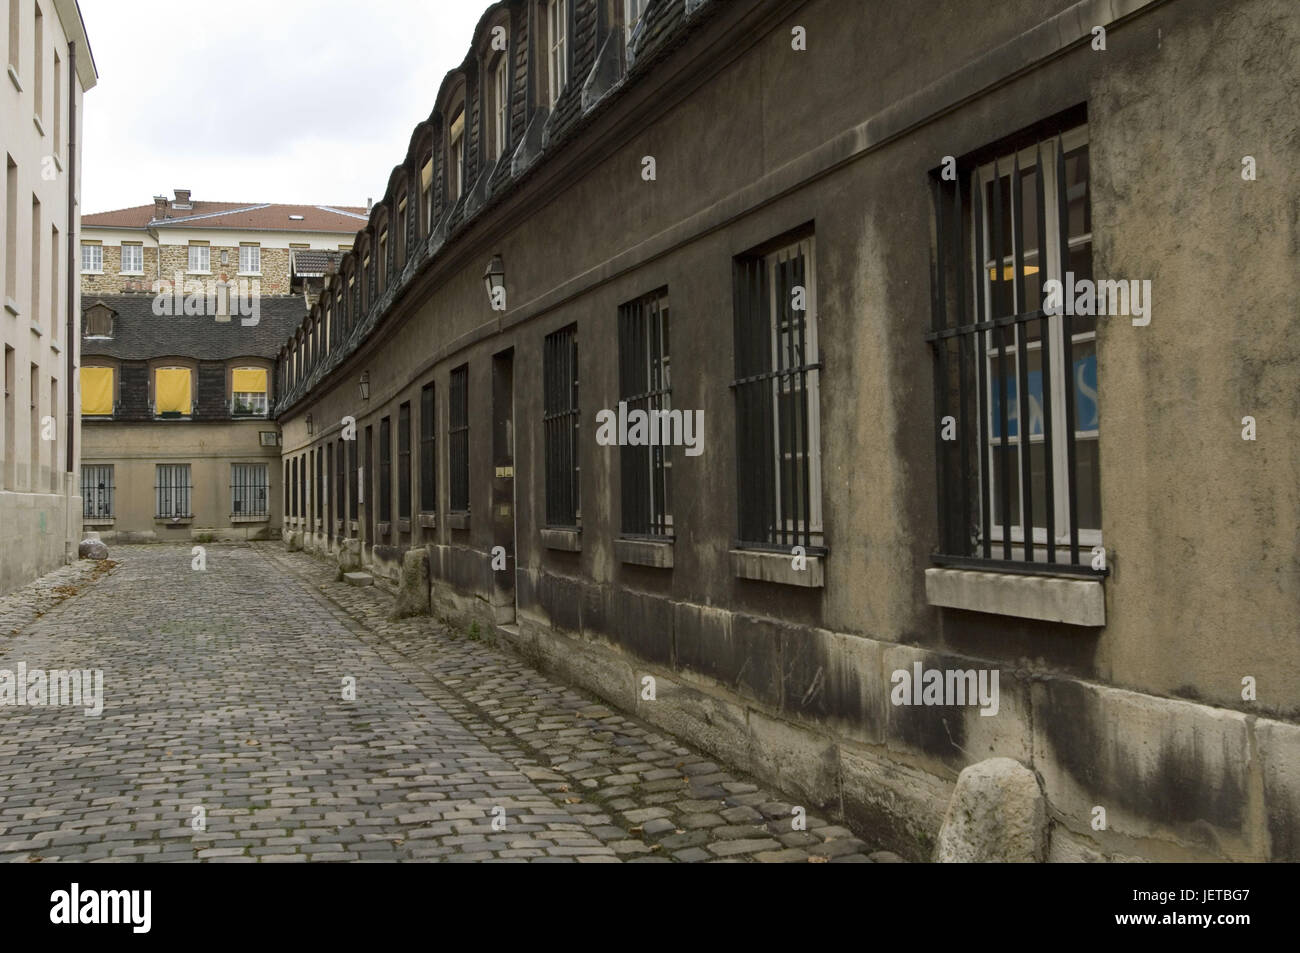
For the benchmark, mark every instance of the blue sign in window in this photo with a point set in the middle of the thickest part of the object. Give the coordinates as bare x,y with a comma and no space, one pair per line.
1085,400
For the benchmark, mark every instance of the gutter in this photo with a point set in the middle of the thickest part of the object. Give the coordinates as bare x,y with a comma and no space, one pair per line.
73,286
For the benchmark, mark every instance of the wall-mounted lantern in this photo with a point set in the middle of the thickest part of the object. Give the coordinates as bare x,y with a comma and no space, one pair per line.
309,425
364,385
494,280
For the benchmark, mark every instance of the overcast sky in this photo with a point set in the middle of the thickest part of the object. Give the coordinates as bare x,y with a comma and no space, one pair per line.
307,101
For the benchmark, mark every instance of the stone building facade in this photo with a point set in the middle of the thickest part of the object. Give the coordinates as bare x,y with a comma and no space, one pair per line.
828,234
48,69
134,249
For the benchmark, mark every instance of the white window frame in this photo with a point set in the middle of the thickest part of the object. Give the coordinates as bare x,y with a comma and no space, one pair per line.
807,248
96,258
259,400
633,11
1048,263
204,257
501,86
254,258
557,42
138,249
456,145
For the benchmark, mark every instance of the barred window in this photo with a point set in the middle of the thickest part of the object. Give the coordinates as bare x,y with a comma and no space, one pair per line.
172,490
320,484
560,422
1005,228
248,489
404,461
97,492
777,398
428,451
341,482
384,489
458,439
645,384
355,478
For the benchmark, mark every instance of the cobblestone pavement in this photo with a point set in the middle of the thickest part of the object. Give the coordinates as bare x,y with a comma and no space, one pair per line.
224,691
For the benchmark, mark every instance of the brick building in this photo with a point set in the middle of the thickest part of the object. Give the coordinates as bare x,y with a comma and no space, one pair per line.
829,235
132,249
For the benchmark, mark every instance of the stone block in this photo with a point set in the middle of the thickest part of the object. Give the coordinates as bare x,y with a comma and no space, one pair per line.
997,815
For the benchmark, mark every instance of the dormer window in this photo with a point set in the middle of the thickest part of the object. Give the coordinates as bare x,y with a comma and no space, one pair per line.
248,392
633,11
456,146
557,41
501,104
98,321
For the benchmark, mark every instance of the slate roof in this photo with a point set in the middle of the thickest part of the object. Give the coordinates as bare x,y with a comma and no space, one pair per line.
139,334
248,216
314,262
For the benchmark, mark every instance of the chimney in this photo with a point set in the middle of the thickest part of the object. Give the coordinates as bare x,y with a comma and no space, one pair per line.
182,198
370,204
159,207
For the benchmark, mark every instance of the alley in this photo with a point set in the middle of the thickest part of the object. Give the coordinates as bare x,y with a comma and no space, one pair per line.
226,736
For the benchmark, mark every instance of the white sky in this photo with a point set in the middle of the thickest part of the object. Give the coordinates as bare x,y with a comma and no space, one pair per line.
296,101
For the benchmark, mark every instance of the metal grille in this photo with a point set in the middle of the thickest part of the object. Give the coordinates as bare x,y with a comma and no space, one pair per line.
384,488
428,451
97,492
248,489
404,461
1009,462
776,394
458,439
645,384
560,422
341,482
172,490
352,479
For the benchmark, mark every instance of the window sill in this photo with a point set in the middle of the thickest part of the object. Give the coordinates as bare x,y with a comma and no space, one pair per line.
37,330
131,274
645,552
12,307
428,520
198,272
248,274
87,272
778,568
97,521
13,78
565,540
458,520
40,126
404,526
338,526
1049,598
352,526
248,519
173,520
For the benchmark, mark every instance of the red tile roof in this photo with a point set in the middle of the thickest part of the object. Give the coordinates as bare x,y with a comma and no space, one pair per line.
247,216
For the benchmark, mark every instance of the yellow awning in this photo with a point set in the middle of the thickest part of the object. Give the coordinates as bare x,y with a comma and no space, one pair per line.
248,380
96,391
172,390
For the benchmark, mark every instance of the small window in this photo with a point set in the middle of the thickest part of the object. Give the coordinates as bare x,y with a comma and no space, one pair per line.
248,489
98,322
455,144
645,384
200,258
501,86
458,439
248,392
92,257
560,425
96,391
172,395
172,491
132,259
97,492
557,34
250,259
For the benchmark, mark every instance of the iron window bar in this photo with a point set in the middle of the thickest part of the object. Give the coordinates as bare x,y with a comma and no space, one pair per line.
458,440
645,384
97,492
560,422
248,489
970,326
172,491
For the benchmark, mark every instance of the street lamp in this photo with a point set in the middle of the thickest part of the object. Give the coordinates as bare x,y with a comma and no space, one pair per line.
364,385
494,279
309,425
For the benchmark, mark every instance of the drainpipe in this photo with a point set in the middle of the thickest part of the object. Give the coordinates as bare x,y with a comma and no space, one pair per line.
70,339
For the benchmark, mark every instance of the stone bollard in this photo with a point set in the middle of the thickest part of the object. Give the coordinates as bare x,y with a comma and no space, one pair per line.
91,547
997,815
350,555
294,541
413,587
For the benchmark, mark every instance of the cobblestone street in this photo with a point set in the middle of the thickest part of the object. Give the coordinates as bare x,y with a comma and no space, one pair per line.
223,691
